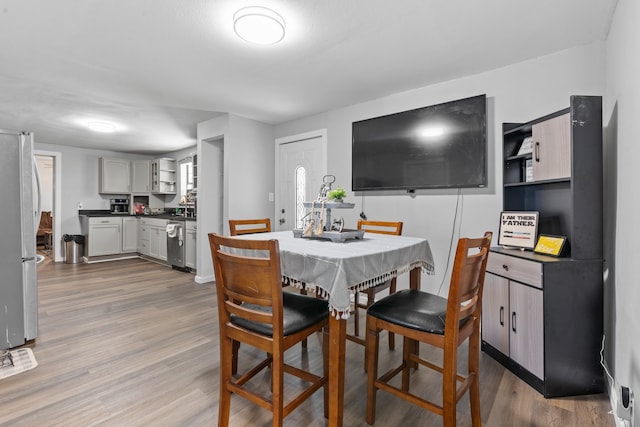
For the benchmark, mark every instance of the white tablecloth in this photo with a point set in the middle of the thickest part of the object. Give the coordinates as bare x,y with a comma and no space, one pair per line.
341,268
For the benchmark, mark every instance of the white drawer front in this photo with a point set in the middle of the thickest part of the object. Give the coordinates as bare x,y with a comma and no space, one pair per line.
105,220
518,269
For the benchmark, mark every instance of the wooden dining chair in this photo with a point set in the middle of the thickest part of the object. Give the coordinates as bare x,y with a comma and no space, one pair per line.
379,227
252,309
238,227
442,322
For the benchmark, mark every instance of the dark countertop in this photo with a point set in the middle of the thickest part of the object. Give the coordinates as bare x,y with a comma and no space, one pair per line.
106,213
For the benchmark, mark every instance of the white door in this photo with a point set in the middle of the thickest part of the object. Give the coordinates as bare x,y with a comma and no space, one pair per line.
302,162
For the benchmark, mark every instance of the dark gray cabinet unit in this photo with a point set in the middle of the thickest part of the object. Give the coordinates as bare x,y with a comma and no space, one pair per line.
542,316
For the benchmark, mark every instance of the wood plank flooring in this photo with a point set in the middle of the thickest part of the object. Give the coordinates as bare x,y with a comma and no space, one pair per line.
133,343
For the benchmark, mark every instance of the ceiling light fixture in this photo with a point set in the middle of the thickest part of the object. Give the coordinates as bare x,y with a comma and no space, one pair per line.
259,25
99,126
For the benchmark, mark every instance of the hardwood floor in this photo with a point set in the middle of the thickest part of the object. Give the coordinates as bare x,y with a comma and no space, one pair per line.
132,343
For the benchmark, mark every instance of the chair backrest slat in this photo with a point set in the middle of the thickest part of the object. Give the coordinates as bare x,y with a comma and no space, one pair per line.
238,227
381,227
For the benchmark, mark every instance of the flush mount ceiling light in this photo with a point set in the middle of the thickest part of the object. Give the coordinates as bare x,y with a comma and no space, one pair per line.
100,126
259,25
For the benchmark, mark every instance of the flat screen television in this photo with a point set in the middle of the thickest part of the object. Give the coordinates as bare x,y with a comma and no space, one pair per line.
440,146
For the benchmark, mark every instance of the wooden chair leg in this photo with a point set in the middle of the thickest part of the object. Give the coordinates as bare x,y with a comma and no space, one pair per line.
407,350
474,389
356,315
449,385
392,336
277,390
226,362
373,338
235,346
325,365
303,291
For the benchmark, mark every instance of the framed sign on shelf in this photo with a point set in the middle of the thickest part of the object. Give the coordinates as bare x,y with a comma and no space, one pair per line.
518,229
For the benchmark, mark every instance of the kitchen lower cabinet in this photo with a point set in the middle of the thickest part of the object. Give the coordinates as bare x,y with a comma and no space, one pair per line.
129,234
110,235
526,344
191,242
495,313
542,319
143,236
104,236
152,240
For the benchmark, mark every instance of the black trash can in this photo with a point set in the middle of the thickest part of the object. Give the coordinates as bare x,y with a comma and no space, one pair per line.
74,248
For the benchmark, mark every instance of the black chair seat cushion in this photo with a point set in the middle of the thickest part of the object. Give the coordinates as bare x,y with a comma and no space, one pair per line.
414,310
300,312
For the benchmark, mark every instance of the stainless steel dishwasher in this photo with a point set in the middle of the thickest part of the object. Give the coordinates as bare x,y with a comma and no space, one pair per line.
176,244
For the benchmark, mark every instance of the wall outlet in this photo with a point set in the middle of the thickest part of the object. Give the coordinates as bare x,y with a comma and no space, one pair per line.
624,403
79,206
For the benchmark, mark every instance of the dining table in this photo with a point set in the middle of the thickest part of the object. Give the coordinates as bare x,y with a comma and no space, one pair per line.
337,269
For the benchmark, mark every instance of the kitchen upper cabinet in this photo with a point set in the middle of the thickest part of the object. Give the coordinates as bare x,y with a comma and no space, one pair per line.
164,176
114,176
140,176
552,148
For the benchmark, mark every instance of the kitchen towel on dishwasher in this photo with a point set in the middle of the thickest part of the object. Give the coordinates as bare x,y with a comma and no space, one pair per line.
172,230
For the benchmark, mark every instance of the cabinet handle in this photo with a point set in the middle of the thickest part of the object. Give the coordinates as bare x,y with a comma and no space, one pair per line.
537,151
513,321
506,267
502,316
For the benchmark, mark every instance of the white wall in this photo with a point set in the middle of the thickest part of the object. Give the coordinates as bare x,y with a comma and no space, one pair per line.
241,189
622,151
517,93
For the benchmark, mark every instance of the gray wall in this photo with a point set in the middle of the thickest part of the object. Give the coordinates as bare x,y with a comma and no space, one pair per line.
622,151
241,189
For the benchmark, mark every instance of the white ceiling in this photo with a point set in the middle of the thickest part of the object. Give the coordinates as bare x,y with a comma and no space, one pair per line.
158,67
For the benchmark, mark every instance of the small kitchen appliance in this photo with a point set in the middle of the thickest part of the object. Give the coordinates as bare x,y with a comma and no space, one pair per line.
119,206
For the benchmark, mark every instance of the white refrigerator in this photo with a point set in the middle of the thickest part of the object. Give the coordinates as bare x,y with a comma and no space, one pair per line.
18,281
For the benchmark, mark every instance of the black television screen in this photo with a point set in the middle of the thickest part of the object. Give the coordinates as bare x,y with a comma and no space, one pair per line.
440,146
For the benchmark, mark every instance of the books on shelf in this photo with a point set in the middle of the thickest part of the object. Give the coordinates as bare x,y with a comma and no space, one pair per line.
527,146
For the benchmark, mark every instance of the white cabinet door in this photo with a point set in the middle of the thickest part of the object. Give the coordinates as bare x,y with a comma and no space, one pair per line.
140,176
154,242
495,312
129,234
114,176
552,148
527,328
162,243
158,239
105,236
143,236
191,249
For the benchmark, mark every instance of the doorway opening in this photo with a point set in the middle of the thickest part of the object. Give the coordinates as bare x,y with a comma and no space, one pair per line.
48,235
